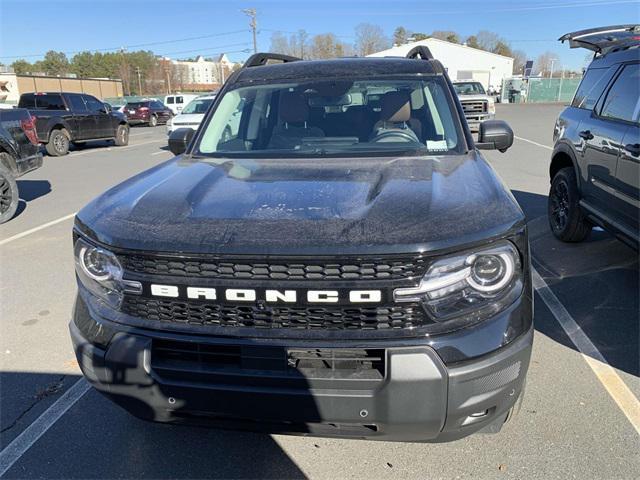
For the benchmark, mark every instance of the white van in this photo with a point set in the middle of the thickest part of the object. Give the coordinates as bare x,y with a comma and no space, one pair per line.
178,100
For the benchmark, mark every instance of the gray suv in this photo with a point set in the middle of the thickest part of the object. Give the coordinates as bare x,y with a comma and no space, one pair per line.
595,166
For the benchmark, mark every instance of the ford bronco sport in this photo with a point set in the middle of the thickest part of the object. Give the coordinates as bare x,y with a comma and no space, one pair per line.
345,264
595,165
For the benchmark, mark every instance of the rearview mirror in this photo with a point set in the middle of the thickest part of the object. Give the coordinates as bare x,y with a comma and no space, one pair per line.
494,135
179,140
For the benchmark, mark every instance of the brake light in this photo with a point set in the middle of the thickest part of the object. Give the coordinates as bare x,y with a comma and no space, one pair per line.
144,109
29,127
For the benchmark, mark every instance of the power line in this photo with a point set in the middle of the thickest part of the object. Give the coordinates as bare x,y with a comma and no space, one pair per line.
218,47
163,42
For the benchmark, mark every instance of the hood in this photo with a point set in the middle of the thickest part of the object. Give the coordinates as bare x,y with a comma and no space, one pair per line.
476,96
187,118
304,206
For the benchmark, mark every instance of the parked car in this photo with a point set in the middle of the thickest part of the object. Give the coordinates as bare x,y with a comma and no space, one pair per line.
178,101
477,105
63,117
149,112
595,164
116,107
348,264
19,154
192,114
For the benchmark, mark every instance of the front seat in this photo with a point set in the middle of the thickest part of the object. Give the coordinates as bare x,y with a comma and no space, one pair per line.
293,127
395,115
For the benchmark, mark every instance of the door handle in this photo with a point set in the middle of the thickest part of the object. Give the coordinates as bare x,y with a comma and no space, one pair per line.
586,134
633,149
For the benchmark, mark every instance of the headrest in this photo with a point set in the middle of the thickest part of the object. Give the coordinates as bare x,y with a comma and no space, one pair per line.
396,107
293,107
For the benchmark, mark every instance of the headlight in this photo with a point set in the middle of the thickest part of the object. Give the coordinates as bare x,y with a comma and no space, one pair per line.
492,106
485,280
101,273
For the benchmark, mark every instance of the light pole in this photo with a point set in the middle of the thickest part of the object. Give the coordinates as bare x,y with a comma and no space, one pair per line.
251,13
139,80
551,72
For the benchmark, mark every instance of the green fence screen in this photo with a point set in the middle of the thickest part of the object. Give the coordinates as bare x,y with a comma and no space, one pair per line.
552,89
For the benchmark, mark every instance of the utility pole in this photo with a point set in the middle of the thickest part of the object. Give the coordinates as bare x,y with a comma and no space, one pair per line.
251,13
167,70
551,72
139,81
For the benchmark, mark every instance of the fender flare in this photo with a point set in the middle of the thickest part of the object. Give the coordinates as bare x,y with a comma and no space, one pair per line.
564,148
7,147
52,123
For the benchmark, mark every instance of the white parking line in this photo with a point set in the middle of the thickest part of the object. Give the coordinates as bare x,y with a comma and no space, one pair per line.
621,394
109,149
533,143
160,152
30,435
37,229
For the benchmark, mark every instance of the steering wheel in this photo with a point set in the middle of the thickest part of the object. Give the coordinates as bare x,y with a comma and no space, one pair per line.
395,135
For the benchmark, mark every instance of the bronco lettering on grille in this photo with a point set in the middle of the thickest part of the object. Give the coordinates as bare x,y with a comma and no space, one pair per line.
272,296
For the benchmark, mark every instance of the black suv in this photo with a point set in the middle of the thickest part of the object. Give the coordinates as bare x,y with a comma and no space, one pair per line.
346,263
595,166
65,117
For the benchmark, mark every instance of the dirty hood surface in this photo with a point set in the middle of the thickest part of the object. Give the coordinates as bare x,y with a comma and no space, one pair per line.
304,206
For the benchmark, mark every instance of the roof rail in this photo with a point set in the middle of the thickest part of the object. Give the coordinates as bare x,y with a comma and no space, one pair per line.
260,59
421,51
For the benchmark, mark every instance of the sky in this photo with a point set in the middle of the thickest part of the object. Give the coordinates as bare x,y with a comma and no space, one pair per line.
168,27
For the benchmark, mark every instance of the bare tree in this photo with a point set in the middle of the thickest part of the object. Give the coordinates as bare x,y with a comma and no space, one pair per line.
446,35
370,39
545,62
487,40
519,61
325,45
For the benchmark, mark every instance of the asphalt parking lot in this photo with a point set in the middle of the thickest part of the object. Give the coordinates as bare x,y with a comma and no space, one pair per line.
579,417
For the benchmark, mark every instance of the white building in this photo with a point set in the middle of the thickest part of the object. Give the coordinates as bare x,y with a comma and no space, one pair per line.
204,71
462,62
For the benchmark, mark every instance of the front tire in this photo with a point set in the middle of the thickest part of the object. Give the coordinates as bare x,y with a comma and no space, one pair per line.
58,143
122,136
153,121
8,195
566,219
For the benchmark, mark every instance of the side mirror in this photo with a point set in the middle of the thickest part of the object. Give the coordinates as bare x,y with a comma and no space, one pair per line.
494,135
179,140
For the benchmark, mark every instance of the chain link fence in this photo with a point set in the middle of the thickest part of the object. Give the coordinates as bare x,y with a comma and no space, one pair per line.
539,90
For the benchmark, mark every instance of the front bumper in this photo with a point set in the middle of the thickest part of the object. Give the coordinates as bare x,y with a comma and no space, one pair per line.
416,398
474,121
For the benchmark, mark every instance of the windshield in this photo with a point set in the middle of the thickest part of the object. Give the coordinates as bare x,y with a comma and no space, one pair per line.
334,117
199,105
469,88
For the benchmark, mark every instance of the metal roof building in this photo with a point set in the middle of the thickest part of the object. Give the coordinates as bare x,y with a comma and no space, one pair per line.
462,62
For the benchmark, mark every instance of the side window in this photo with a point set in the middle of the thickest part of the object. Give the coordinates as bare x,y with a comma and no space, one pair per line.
179,100
77,104
93,104
158,105
27,100
622,98
50,102
170,100
591,87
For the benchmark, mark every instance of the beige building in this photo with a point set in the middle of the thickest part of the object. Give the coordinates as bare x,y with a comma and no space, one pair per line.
12,86
202,72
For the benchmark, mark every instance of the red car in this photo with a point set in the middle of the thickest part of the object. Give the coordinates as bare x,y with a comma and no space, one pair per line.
150,112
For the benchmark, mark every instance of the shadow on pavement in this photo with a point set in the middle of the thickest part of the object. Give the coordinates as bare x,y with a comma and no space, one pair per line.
97,439
597,282
29,190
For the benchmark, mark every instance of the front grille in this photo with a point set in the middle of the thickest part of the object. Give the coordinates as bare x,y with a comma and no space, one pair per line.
357,268
252,316
472,107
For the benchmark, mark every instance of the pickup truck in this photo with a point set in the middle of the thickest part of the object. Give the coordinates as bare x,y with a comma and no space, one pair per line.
19,154
477,105
63,118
